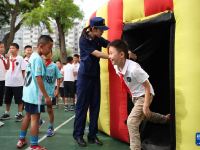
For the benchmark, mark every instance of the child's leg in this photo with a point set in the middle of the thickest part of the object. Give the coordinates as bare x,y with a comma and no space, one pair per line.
25,122
156,117
134,120
50,131
51,114
63,98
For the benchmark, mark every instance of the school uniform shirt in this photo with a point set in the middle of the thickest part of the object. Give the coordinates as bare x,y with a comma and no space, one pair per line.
26,62
134,76
52,72
14,77
2,68
31,91
69,70
89,65
62,83
76,67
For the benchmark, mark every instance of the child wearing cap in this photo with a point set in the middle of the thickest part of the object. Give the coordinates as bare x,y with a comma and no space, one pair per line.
14,82
135,81
88,83
4,65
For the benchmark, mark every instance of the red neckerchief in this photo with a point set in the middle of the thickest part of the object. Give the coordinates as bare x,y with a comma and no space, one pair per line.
26,60
124,85
13,64
70,63
59,69
3,62
48,63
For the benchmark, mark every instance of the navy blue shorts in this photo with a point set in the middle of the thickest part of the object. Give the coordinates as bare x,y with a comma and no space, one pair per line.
33,109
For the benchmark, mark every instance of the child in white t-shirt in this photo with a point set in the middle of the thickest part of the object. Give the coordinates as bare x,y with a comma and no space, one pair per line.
135,81
28,51
61,89
4,65
69,73
76,65
14,82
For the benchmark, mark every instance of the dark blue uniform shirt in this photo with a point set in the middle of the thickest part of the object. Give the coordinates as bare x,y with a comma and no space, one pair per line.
89,65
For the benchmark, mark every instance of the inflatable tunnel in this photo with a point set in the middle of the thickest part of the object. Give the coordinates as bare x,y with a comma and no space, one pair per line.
165,35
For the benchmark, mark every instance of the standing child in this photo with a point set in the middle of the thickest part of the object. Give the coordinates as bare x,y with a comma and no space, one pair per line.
135,80
14,82
76,65
61,89
3,67
28,51
69,73
34,93
51,74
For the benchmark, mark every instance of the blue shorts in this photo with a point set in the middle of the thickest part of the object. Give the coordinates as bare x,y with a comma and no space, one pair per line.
34,109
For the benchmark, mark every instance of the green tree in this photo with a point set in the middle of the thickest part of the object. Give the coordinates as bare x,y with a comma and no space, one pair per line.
4,14
20,7
64,12
56,54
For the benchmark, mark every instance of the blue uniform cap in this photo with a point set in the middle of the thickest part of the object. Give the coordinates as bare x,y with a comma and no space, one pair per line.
98,22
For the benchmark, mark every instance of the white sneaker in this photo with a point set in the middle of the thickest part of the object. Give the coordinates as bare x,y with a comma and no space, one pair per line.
1,123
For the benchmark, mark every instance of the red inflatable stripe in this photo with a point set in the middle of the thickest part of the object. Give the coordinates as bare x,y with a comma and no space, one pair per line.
156,6
118,100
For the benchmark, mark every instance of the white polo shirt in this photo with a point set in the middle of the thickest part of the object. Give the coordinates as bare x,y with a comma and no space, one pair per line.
26,62
76,67
62,83
15,78
134,76
2,69
69,70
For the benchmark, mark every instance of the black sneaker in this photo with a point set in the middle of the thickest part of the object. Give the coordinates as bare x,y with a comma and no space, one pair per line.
72,108
66,108
19,118
5,117
16,115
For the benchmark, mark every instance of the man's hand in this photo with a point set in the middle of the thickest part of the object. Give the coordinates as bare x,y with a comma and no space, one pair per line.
132,55
56,92
7,56
48,100
146,111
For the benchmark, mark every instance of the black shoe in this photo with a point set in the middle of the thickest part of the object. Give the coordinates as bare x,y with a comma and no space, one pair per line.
72,108
96,141
19,118
5,117
81,142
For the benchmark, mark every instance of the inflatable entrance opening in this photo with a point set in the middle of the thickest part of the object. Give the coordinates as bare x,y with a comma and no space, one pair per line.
153,42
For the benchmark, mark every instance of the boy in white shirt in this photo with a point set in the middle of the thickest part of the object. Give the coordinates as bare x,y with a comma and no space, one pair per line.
28,51
135,81
61,89
14,82
69,73
76,65
4,65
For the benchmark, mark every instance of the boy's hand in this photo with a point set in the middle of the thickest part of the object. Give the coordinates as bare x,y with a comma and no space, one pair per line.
56,92
48,100
146,111
132,55
7,56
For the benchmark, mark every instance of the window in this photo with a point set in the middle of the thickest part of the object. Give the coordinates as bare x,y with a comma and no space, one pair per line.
70,37
76,49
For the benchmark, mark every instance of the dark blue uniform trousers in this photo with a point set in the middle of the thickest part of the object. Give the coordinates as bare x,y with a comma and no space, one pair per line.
88,95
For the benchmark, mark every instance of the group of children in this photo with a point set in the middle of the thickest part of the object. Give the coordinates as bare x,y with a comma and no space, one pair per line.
41,74
35,82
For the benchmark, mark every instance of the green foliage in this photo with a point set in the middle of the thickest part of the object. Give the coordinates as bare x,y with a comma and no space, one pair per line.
56,54
4,14
65,10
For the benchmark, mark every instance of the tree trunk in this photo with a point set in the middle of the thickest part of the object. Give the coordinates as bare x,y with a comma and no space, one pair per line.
63,53
7,36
